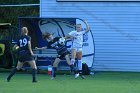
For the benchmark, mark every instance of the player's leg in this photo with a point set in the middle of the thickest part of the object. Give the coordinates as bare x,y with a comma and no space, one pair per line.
34,70
14,70
69,63
79,57
78,65
73,55
55,65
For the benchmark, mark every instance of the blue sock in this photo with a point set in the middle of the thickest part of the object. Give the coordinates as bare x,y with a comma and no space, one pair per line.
14,70
53,71
34,71
79,64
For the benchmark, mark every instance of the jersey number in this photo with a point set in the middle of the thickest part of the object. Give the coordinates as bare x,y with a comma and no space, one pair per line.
23,42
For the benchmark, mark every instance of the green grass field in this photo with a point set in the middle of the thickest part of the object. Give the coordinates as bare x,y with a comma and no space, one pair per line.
102,82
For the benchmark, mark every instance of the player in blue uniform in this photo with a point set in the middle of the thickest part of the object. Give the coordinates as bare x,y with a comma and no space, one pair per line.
56,43
25,54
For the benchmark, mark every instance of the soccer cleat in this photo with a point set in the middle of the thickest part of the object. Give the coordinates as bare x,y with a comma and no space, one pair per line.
8,79
34,81
83,77
76,75
52,78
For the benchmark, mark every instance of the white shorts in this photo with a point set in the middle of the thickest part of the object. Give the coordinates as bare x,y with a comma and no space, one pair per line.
77,49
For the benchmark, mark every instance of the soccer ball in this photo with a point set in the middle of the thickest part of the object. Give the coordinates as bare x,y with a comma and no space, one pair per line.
62,41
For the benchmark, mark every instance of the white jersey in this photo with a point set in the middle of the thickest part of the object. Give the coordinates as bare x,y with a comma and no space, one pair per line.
78,41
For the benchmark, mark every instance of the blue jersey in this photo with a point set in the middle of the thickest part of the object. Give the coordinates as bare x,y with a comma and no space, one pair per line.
23,43
24,53
60,48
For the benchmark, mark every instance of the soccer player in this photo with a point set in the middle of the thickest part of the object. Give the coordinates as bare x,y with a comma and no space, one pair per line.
25,55
76,51
58,44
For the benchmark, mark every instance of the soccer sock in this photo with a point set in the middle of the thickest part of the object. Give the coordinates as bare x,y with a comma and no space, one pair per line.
72,68
34,71
53,71
72,61
80,66
13,71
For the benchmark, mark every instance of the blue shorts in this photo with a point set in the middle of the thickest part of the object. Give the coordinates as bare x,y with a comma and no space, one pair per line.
62,55
25,56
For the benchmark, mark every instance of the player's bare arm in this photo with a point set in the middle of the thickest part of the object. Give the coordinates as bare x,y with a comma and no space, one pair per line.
87,26
29,46
70,37
15,47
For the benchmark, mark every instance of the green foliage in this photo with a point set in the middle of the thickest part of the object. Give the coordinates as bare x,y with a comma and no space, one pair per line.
11,14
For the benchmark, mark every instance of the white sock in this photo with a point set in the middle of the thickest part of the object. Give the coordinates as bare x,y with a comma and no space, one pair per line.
72,61
79,64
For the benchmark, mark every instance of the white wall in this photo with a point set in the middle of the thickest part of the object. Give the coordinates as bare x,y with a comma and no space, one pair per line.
115,26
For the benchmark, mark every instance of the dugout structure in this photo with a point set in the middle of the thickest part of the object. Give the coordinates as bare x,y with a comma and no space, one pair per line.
7,36
57,27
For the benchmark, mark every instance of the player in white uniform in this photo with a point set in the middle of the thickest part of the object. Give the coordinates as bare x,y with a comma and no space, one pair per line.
76,51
